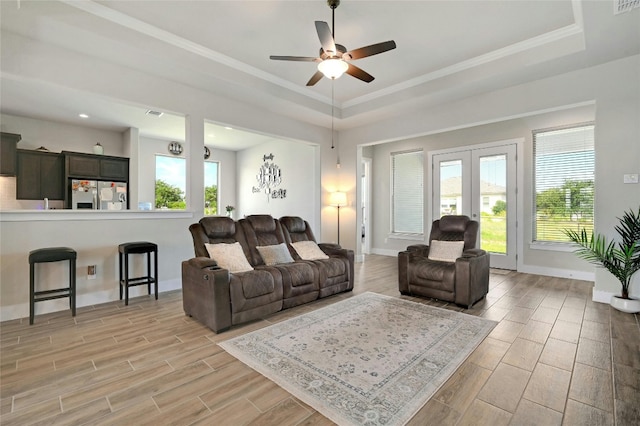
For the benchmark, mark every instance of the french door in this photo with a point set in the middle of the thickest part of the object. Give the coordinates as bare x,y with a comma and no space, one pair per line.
481,183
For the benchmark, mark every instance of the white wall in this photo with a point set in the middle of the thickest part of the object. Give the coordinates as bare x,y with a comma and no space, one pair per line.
540,261
60,136
96,242
227,178
300,178
614,88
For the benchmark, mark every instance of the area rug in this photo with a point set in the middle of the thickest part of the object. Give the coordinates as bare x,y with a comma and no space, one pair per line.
367,360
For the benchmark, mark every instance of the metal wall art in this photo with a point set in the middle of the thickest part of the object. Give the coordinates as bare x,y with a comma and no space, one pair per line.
269,177
175,148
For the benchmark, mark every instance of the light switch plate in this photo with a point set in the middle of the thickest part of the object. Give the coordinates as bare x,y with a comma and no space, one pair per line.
631,178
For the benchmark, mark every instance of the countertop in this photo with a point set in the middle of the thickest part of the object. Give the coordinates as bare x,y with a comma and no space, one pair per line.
73,215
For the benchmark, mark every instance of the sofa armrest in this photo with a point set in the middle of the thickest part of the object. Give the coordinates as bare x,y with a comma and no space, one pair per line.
421,250
472,277
334,250
403,271
473,253
205,293
202,262
329,246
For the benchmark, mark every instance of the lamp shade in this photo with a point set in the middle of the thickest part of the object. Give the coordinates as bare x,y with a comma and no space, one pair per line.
338,199
333,68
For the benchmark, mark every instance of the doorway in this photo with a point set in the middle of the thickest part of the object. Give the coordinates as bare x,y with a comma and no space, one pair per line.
365,184
481,182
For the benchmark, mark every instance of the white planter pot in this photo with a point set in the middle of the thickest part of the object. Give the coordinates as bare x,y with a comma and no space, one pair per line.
630,306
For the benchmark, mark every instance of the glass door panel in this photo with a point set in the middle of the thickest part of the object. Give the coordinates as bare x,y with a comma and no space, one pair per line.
450,187
481,183
493,203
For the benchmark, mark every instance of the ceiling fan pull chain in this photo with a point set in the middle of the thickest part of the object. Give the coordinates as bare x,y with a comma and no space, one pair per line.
332,84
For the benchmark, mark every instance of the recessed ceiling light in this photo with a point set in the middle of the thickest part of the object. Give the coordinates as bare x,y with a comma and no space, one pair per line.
211,135
154,113
83,115
229,128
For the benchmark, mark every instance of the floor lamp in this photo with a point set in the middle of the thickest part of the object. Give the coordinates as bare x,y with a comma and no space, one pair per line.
338,199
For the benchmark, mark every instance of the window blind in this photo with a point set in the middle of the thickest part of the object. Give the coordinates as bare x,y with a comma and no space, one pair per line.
564,181
408,194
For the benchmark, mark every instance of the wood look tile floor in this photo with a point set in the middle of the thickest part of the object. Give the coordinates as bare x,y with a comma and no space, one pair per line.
555,358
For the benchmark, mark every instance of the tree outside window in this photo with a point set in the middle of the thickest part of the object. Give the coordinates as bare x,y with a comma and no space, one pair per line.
564,181
211,192
171,181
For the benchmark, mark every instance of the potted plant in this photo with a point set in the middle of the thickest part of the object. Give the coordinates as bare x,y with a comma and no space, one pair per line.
230,210
621,258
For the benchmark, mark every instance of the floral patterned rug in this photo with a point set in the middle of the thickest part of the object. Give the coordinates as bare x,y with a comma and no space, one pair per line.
367,360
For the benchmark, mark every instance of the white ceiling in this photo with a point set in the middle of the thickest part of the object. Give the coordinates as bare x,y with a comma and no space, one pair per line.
446,50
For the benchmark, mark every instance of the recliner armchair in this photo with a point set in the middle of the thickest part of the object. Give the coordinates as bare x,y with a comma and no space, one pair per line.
462,280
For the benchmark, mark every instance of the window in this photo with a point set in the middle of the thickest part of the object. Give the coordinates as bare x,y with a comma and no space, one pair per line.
211,187
171,181
407,206
564,181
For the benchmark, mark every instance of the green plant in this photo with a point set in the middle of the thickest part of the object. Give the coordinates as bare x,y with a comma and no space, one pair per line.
621,258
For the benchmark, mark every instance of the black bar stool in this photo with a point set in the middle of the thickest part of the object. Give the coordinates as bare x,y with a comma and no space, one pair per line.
124,250
52,254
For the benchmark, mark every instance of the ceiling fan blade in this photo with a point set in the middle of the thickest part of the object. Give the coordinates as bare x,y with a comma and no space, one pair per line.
294,58
315,78
374,49
359,73
326,38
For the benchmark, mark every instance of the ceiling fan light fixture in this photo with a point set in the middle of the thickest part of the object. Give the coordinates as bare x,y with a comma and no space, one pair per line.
333,68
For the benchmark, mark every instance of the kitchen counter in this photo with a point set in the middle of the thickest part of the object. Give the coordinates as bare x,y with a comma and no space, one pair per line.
74,215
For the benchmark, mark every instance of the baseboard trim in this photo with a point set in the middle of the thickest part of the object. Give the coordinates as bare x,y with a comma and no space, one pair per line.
385,252
21,310
557,272
602,296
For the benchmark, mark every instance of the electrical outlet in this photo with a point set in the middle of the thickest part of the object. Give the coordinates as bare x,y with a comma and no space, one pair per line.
630,178
91,272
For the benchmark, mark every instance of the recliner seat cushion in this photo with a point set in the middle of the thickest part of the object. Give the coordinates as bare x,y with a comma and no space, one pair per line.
438,275
256,283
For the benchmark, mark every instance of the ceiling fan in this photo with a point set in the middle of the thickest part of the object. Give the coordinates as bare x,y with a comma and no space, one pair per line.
334,59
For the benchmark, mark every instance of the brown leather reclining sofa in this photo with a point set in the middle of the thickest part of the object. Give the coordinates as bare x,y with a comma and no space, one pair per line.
220,299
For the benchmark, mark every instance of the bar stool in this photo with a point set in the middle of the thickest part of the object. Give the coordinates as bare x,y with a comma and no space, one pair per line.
138,247
52,254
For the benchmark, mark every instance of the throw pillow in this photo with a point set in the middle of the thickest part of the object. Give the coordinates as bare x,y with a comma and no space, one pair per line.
309,250
229,256
445,251
272,255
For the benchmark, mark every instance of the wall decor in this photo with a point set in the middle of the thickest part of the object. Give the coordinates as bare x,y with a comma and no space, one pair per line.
175,148
98,149
269,177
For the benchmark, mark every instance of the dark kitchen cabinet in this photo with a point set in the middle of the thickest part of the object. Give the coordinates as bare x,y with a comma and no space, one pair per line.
8,154
96,167
39,175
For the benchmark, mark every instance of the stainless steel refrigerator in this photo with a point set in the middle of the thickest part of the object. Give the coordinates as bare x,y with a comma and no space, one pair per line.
98,195
112,195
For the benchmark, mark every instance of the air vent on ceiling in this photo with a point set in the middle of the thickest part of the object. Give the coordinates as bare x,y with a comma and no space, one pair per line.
154,113
621,6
